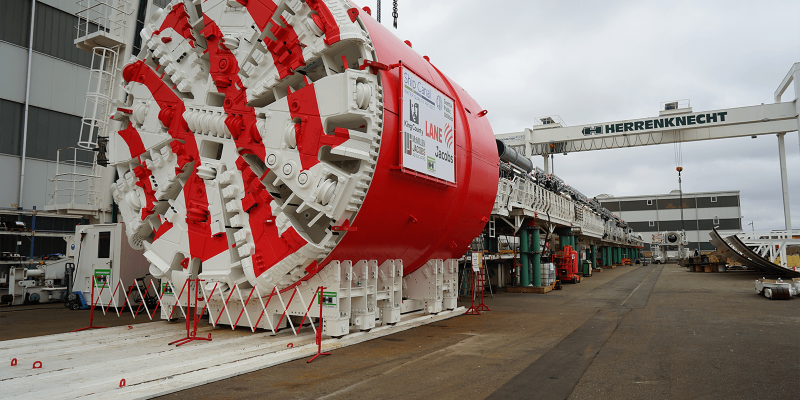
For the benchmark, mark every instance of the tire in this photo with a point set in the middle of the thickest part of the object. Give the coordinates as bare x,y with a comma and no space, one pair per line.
74,305
781,293
768,293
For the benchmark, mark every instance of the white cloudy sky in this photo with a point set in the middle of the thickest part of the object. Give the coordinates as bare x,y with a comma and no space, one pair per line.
599,61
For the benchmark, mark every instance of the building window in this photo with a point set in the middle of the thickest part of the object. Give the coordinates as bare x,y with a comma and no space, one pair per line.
652,223
104,245
713,199
649,202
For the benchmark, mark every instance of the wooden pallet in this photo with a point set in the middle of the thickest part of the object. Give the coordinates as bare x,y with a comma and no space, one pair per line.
529,289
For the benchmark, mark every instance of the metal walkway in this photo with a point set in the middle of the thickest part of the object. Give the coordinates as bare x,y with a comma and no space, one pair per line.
91,364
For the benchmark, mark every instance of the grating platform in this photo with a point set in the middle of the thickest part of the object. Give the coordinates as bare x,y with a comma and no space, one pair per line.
91,364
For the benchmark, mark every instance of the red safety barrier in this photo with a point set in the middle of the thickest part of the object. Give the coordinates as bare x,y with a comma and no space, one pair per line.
141,303
319,331
319,290
286,308
246,301
264,307
37,362
142,297
93,304
483,278
193,299
122,383
178,299
13,362
191,323
244,307
472,310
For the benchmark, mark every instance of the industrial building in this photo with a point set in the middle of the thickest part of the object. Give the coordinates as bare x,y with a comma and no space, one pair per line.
42,96
701,212
42,104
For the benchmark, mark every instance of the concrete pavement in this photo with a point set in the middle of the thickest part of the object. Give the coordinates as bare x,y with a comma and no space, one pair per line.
630,332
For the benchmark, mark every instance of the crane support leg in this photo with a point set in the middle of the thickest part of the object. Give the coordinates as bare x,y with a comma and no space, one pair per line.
784,181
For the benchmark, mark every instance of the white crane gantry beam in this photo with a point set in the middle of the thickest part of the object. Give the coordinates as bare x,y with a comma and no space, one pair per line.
680,126
671,126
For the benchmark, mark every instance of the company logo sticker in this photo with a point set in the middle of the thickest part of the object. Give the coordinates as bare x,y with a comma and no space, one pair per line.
413,110
448,136
592,130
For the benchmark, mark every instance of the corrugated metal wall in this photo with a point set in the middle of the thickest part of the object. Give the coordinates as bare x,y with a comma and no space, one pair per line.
11,127
48,131
54,34
15,18
54,30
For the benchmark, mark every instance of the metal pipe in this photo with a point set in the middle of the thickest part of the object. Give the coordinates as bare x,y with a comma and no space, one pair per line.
33,233
27,99
511,156
546,164
787,215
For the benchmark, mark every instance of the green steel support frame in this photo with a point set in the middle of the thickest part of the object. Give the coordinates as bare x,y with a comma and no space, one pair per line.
537,259
525,268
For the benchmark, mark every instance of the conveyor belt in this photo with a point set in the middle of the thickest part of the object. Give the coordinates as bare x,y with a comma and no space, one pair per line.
733,248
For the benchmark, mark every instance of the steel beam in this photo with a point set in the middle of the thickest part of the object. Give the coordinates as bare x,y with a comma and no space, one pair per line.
787,214
739,122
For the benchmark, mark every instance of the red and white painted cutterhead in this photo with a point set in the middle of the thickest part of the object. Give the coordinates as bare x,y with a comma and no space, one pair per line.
261,140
